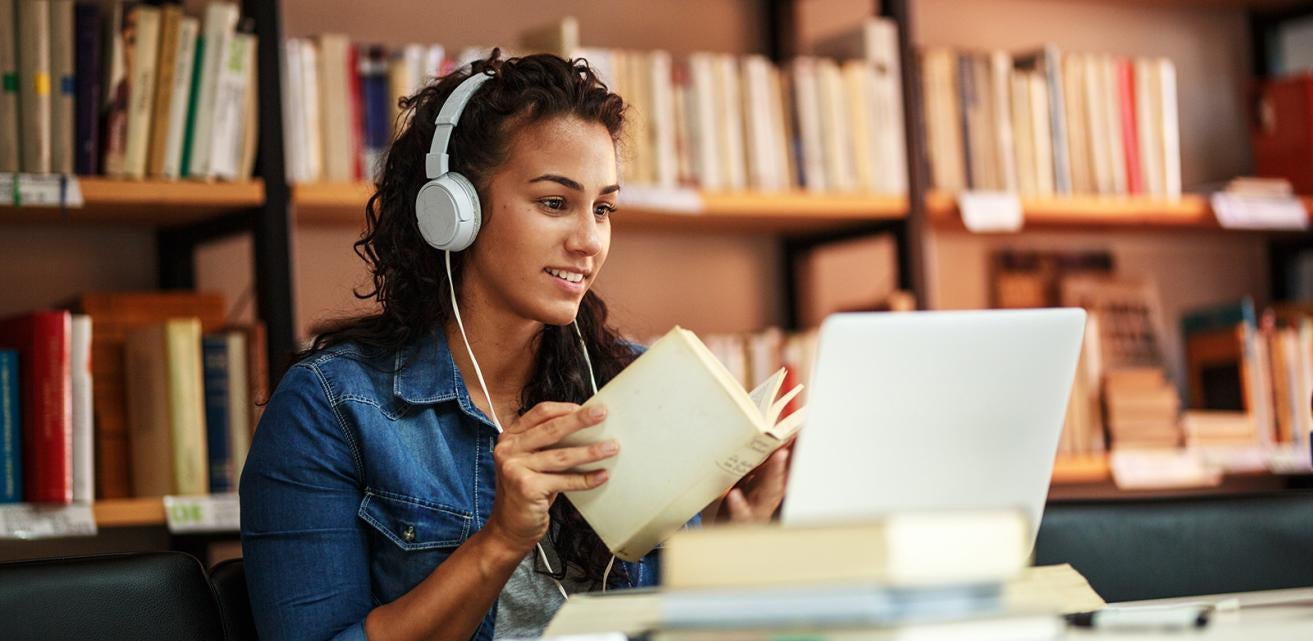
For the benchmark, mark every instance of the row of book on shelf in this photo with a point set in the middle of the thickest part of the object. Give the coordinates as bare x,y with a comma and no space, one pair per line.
127,89
127,394
714,121
1046,123
1248,376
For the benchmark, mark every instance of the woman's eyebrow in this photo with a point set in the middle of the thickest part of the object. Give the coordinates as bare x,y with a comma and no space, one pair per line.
562,180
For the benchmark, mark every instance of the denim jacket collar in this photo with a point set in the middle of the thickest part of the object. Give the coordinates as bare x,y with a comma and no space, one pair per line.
426,373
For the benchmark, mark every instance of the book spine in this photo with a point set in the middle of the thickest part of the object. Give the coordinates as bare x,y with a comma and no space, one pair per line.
63,86
218,425
193,109
372,69
11,430
141,91
187,407
1058,122
229,109
220,28
48,424
355,115
9,154
1130,134
89,30
180,102
166,64
80,380
34,84
114,114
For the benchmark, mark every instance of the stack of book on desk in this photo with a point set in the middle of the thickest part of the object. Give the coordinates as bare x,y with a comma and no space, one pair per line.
907,576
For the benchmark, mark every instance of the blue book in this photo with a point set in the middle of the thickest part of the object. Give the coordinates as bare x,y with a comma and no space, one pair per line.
214,354
11,430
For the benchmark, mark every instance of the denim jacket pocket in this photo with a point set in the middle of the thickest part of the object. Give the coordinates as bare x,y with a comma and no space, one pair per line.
410,539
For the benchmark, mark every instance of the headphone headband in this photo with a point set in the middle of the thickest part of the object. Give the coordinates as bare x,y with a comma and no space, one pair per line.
436,162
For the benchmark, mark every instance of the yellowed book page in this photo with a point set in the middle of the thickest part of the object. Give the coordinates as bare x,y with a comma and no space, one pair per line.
1051,588
630,614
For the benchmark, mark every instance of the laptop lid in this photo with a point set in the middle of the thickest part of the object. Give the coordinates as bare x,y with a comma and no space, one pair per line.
934,411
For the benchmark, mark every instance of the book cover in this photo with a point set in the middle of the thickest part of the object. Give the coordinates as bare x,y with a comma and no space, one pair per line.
80,382
63,87
335,112
229,115
251,110
9,137
676,397
11,429
1125,74
90,35
220,26
34,89
1148,118
314,131
1171,128
42,342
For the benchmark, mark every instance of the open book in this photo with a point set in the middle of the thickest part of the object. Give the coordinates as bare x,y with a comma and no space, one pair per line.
687,432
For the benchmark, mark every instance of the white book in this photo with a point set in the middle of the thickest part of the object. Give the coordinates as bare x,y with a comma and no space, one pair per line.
780,145
1045,169
1027,174
1096,123
1171,129
687,433
33,31
314,139
239,403
141,90
1078,135
219,28
434,57
188,32
807,98
1000,65
756,98
891,136
1147,119
230,107
702,116
1113,114
335,108
663,118
84,455
729,110
835,132
294,142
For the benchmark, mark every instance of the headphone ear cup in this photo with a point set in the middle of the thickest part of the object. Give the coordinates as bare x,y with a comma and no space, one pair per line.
448,213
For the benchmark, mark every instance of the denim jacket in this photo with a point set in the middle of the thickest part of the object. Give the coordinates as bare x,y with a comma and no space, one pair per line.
362,478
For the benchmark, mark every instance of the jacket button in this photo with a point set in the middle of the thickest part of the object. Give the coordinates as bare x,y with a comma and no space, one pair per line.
408,534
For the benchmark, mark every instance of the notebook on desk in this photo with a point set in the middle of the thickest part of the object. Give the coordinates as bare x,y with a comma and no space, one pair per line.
934,411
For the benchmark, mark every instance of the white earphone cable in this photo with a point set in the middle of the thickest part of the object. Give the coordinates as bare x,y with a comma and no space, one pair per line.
451,287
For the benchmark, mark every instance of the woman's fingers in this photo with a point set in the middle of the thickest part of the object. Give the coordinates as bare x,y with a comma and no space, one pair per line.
540,414
550,432
567,458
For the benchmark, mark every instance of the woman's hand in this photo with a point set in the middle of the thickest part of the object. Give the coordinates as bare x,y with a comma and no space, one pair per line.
530,474
756,496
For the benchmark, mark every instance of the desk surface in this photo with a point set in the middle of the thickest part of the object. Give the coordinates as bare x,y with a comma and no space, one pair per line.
1249,616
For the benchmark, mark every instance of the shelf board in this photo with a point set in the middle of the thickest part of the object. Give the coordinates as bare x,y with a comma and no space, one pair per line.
156,203
785,212
1078,470
129,512
1191,211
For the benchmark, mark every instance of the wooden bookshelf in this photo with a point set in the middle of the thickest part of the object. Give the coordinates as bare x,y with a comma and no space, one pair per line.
1191,211
129,512
155,203
786,212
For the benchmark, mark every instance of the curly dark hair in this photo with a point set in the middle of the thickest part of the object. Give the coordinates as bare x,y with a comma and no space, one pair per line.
408,275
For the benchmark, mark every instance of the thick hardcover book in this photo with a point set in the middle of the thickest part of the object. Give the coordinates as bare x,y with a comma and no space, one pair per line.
687,432
42,341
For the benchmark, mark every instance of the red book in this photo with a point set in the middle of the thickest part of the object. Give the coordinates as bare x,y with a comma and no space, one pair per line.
45,375
357,114
1130,132
1283,135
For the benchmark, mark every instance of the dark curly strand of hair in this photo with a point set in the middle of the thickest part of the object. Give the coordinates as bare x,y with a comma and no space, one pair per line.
408,277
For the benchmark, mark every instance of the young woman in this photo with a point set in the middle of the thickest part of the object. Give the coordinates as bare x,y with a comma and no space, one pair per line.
382,498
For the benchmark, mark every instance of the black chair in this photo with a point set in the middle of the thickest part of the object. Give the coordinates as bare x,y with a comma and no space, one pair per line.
1147,549
127,597
229,579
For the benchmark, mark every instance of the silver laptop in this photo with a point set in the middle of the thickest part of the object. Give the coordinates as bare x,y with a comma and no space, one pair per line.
934,411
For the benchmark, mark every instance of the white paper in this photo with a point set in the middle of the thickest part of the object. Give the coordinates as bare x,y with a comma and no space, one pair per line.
990,211
29,521
1259,211
213,513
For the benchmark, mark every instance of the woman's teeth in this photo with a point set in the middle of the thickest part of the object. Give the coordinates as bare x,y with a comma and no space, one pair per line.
567,276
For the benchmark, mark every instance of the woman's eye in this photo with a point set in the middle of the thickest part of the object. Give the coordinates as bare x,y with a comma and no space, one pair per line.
555,204
603,210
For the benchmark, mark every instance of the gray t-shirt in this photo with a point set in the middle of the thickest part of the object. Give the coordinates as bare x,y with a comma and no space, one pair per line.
530,598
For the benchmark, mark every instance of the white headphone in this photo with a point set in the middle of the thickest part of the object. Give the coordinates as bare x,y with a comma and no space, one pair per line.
447,206
449,215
